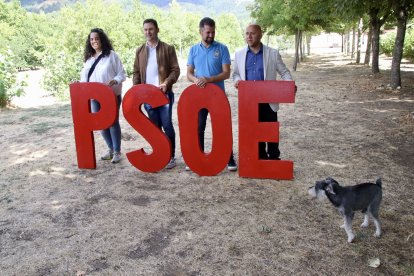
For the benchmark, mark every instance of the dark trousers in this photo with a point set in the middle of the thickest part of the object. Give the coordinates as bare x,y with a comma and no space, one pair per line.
202,122
268,150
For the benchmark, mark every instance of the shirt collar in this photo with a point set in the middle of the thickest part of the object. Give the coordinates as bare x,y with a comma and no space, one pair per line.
260,51
149,46
212,44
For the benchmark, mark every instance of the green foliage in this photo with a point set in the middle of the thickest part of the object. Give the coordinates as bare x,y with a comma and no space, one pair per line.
56,41
409,45
72,24
288,16
12,22
387,44
9,86
18,31
229,31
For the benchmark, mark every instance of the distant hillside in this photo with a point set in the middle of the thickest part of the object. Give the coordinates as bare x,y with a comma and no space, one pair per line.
205,7
44,5
165,3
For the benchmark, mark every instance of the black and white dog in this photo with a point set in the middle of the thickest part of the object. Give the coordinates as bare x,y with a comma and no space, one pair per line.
365,197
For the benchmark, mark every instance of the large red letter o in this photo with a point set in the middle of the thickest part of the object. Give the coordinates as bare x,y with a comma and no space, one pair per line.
192,100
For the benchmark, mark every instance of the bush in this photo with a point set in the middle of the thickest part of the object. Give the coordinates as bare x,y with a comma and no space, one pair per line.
409,44
9,86
387,43
61,69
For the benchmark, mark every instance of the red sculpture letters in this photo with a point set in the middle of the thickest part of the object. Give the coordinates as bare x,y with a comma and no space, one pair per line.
193,98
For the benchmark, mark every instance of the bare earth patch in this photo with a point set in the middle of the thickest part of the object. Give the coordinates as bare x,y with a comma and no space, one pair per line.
56,219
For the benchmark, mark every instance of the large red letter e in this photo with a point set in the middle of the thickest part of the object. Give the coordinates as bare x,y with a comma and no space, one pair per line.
251,131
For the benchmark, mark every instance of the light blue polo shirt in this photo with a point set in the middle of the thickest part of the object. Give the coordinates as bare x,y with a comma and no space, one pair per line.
208,62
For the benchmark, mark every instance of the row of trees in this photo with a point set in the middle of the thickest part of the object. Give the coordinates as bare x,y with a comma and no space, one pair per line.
340,16
55,41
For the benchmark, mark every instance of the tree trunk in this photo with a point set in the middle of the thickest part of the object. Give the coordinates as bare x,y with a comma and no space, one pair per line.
296,60
348,43
343,43
397,54
353,43
300,47
358,51
369,44
308,43
376,25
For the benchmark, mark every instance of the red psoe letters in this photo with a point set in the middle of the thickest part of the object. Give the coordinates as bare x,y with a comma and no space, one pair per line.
86,122
251,131
192,100
161,145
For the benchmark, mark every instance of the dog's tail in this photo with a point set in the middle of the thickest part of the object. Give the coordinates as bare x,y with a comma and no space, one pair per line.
379,182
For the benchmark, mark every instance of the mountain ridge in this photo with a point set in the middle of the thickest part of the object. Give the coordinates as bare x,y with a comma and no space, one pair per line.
237,7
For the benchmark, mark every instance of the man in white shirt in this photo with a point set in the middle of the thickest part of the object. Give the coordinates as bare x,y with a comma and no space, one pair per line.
156,63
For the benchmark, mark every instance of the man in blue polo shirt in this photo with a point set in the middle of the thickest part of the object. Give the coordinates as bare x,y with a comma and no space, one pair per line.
208,62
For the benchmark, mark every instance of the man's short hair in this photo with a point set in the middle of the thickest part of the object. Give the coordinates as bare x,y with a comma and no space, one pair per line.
150,20
207,21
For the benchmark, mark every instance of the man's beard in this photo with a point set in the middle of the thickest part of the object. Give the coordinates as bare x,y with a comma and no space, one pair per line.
208,40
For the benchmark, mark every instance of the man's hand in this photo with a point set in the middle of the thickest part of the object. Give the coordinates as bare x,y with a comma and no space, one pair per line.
236,85
112,83
201,82
163,87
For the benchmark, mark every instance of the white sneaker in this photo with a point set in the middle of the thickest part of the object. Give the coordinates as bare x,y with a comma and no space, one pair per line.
171,164
108,155
116,158
187,168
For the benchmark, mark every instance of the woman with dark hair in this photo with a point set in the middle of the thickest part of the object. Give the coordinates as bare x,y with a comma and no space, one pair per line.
103,65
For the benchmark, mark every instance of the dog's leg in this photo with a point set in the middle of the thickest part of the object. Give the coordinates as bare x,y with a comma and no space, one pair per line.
348,227
378,228
377,225
366,220
374,210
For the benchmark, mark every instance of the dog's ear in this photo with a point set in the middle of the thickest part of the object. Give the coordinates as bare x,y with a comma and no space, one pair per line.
329,189
331,180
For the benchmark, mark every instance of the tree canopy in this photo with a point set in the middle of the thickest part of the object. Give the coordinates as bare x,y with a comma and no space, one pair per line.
55,41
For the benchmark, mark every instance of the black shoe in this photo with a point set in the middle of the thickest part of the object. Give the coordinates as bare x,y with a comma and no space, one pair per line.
274,158
232,166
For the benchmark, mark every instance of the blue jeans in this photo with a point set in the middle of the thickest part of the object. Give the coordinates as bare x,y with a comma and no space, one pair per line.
112,135
162,117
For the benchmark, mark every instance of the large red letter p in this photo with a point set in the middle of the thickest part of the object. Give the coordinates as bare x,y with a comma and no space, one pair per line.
85,122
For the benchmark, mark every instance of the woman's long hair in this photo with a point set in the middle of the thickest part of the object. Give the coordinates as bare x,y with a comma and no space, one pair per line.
105,42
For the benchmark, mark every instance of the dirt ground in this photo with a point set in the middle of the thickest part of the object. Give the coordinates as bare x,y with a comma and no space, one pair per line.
56,219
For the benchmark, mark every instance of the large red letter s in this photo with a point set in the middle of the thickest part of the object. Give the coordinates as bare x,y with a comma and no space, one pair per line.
251,131
85,122
161,145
